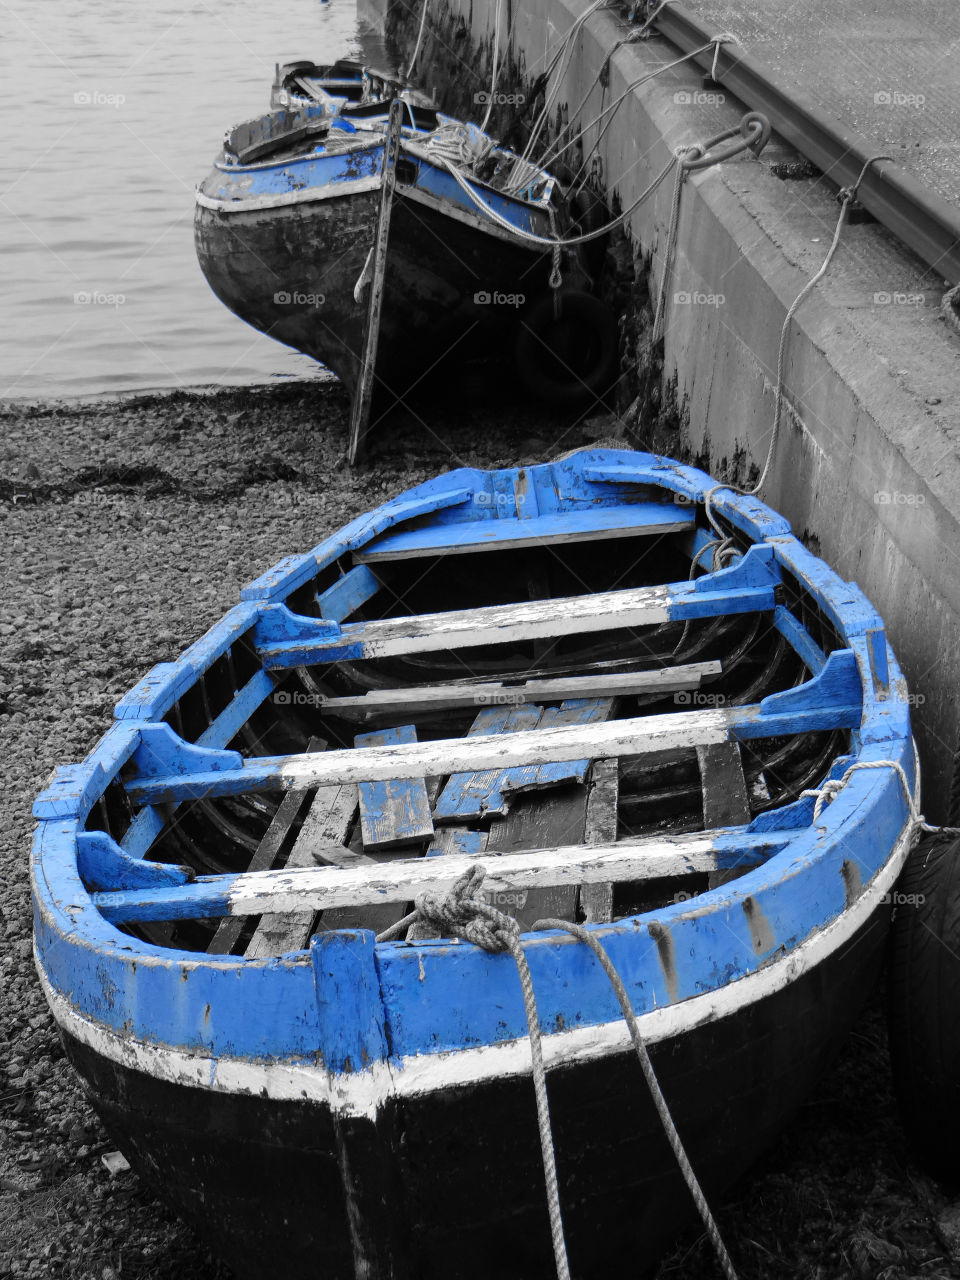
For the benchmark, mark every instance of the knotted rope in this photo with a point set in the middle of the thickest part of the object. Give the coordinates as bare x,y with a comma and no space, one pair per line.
458,914
830,789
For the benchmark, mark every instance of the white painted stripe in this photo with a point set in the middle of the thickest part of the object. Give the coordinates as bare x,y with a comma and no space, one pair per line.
360,1093
309,195
476,222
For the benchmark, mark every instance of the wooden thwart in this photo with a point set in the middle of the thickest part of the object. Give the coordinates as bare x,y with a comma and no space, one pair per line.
401,879
447,697
601,828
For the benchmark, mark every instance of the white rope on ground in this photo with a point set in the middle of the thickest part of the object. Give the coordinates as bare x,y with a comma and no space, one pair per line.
461,915
496,58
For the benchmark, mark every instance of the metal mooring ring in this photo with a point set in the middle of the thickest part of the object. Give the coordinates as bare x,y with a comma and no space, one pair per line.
751,134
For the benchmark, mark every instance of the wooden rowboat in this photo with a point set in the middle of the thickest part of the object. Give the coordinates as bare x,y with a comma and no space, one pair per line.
286,223
614,701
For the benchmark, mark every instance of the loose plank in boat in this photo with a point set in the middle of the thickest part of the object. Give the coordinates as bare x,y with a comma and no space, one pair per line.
397,811
601,828
447,697
401,879
592,524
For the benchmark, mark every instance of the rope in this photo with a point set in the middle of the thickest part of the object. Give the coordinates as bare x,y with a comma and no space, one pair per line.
530,236
496,59
641,32
460,915
653,1084
831,788
416,48
846,196
672,225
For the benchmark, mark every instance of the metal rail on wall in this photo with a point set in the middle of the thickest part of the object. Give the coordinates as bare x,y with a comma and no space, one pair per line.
923,220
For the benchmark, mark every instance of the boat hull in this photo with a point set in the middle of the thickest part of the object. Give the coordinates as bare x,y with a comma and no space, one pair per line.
449,1182
291,271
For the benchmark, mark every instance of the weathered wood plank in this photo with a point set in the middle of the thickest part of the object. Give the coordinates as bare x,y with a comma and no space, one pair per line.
324,829
534,777
640,519
521,621
394,812
399,880
229,930
465,793
348,594
724,788
440,697
601,828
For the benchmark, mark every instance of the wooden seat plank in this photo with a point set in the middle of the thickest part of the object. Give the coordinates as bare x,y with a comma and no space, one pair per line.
628,608
324,829
445,697
394,812
596,900
399,880
588,525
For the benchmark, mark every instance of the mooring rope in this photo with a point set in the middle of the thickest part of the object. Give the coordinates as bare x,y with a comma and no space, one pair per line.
496,59
829,791
416,48
846,196
461,915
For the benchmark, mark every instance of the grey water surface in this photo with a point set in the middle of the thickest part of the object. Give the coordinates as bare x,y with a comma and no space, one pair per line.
113,112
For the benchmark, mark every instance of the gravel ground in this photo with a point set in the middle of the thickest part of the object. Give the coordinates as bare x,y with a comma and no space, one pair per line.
129,528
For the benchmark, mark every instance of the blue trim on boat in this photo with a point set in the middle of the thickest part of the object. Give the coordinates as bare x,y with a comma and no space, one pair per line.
268,1011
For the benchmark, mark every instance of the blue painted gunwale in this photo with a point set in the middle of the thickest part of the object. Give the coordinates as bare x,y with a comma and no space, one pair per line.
268,1010
315,175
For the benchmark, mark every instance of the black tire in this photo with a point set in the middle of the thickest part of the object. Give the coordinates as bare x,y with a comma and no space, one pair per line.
924,1004
571,360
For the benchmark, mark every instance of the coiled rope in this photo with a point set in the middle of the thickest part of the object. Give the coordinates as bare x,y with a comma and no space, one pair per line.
829,791
461,915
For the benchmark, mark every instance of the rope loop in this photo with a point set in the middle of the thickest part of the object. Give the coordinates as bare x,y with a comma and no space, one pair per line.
458,914
726,38
829,791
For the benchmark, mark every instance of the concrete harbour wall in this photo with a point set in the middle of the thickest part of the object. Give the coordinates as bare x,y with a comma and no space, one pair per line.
865,467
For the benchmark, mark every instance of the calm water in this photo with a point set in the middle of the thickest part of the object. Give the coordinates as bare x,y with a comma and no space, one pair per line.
113,112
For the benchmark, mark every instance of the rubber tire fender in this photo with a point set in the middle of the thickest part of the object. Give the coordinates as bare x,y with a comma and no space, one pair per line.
571,360
924,1003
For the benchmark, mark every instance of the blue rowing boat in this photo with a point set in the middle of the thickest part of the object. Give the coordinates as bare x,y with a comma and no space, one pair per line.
630,697
285,227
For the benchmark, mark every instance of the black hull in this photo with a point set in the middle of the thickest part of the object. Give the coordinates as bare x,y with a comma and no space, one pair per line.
438,263
450,1184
